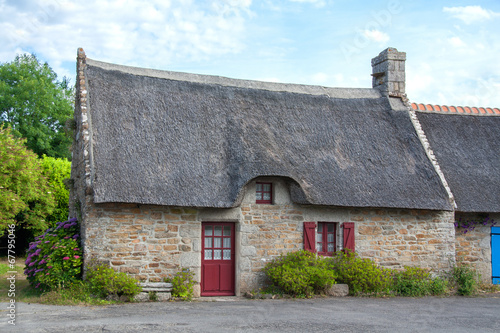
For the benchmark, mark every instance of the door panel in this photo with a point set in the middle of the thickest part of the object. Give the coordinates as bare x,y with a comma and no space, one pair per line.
495,254
217,273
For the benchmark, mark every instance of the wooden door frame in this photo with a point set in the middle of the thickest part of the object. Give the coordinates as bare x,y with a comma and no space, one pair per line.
233,258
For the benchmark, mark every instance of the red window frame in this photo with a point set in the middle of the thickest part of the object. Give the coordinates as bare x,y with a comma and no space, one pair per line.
260,192
322,241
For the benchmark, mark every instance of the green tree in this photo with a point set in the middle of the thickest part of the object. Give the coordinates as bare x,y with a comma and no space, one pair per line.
36,105
25,196
57,171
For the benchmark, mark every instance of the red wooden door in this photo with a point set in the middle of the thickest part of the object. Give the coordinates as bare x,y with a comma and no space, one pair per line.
217,259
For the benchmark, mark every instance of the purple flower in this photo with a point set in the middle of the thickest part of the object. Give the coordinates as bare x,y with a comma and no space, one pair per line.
49,267
47,242
38,285
31,264
67,237
76,236
66,258
42,262
39,270
76,257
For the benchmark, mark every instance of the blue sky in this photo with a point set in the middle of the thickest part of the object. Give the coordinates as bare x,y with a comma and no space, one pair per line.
452,47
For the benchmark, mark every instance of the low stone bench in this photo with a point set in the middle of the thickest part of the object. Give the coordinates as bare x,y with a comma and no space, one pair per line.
338,290
163,291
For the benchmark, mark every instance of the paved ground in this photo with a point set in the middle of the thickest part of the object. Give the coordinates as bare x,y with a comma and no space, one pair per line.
349,314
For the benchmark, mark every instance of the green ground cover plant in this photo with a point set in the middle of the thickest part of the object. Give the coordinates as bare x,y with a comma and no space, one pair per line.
363,276
466,279
300,274
417,282
103,282
182,284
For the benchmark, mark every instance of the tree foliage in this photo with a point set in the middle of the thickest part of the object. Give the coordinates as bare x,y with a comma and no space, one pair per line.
36,105
25,196
57,171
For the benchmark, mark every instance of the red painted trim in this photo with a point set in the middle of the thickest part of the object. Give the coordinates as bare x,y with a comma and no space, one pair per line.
224,269
349,236
310,236
324,235
260,193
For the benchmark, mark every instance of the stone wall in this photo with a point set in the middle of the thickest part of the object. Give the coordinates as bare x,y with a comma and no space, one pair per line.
397,238
474,247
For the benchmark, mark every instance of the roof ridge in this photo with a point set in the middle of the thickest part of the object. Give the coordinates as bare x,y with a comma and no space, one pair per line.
332,92
455,109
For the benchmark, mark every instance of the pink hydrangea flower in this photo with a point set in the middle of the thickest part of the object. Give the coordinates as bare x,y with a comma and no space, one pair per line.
76,257
66,258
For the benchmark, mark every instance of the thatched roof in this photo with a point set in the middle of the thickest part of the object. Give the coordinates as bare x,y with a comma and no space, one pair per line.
467,148
191,140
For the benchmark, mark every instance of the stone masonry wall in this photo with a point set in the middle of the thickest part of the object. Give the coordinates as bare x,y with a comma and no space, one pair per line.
474,247
266,232
151,242
147,242
397,238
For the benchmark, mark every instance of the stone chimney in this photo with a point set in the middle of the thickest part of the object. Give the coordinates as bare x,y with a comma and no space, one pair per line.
389,72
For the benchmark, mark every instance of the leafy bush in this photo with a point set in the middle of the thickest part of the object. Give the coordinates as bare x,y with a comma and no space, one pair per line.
104,281
54,259
25,198
182,284
417,282
57,171
361,275
300,273
466,279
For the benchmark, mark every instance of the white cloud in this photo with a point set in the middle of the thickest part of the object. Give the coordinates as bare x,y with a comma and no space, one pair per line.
456,42
471,14
319,78
376,35
317,3
155,33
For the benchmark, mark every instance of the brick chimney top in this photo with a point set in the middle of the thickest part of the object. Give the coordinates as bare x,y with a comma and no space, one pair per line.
389,72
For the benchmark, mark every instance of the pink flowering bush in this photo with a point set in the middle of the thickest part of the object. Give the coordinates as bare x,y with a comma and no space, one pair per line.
55,258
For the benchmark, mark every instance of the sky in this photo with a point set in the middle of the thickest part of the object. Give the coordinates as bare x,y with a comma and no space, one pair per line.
452,47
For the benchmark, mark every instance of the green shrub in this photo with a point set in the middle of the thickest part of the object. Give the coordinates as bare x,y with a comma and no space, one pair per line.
104,282
361,275
54,259
466,279
182,284
417,282
300,273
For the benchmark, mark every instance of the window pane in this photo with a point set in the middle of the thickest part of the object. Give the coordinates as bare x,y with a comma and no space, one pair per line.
267,187
320,227
227,242
208,242
330,227
227,230
330,247
218,230
208,230
266,196
217,243
258,196
259,187
217,254
319,237
208,254
227,255
319,247
330,238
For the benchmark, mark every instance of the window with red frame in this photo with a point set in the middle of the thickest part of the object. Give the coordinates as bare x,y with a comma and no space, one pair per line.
326,238
264,193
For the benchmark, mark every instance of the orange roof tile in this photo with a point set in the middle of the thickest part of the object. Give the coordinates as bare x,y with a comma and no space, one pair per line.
455,109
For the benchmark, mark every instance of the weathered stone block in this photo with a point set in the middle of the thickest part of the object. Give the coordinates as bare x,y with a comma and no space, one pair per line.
338,290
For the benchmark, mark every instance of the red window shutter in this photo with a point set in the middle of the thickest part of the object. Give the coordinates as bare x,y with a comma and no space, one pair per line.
349,236
310,236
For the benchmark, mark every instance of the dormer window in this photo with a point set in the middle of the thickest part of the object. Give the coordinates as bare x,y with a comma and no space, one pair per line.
264,193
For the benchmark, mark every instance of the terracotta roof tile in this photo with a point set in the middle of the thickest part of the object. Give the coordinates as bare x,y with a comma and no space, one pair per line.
455,109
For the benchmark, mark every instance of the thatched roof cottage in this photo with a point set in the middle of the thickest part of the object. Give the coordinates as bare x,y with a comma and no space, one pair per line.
217,175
